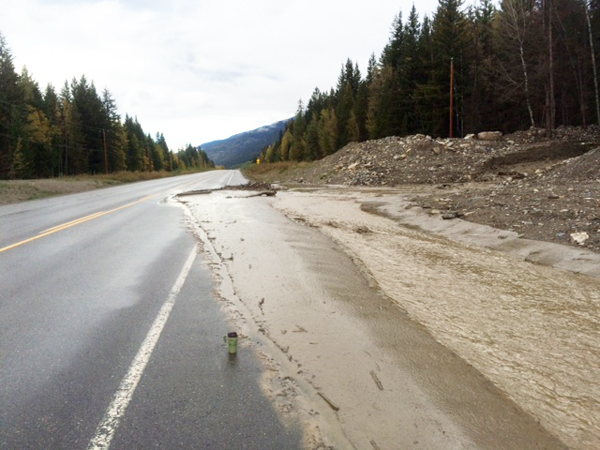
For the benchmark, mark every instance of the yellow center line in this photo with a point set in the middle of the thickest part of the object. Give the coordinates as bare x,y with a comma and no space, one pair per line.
73,223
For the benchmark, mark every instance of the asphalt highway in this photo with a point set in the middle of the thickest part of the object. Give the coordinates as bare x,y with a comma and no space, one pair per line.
110,336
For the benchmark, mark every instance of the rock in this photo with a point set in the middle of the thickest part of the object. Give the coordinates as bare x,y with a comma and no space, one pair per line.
469,137
580,237
489,135
352,166
450,215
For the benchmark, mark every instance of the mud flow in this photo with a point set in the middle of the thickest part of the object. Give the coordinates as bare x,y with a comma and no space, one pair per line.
375,335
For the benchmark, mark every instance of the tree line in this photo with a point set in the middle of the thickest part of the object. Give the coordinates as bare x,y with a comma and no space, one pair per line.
76,131
526,63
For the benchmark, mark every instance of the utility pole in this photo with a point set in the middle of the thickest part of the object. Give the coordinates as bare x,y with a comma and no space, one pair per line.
589,24
105,153
451,134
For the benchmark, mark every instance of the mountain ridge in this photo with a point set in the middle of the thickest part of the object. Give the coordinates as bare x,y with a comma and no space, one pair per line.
243,147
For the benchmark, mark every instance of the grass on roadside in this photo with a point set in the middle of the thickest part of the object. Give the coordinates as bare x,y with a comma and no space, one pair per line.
278,171
15,191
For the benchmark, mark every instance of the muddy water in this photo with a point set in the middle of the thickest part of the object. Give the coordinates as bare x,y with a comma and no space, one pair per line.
532,330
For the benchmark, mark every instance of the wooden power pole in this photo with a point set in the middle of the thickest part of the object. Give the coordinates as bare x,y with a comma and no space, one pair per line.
105,153
451,134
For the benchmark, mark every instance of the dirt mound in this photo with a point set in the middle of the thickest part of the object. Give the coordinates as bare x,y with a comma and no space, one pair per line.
583,168
420,159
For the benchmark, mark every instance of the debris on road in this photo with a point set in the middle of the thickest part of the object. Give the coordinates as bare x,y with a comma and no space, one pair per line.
377,380
329,402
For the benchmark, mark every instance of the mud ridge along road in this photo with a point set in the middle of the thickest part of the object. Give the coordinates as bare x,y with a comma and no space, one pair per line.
376,333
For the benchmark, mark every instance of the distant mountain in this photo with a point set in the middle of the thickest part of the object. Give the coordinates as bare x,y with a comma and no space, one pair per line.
243,147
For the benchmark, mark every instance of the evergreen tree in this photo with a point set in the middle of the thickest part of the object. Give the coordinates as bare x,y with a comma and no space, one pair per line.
12,109
425,94
411,73
168,157
328,131
113,134
392,52
450,43
313,150
51,109
297,150
381,107
35,133
73,158
344,111
92,113
482,113
135,149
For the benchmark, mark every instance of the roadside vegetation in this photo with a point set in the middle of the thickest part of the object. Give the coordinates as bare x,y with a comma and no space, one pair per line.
270,173
15,191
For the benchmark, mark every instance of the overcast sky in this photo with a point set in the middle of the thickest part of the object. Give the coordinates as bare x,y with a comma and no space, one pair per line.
199,70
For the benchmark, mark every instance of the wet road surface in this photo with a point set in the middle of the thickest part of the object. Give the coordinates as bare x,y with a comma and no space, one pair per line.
84,280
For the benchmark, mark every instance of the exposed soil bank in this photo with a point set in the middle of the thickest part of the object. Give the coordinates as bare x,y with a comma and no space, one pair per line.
341,331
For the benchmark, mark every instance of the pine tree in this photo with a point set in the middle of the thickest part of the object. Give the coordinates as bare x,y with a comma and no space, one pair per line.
113,133
345,109
135,149
51,109
574,71
12,108
328,131
36,132
313,150
168,157
72,145
381,108
297,150
392,52
411,73
482,60
450,43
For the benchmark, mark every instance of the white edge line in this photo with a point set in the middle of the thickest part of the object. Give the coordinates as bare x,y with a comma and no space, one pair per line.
108,426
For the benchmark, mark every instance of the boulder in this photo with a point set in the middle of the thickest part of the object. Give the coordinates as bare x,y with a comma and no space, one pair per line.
489,135
580,237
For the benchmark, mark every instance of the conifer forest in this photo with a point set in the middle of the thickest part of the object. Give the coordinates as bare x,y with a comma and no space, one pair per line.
510,67
75,131
503,66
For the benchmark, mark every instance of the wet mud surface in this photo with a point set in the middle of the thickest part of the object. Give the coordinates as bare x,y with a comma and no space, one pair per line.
379,335
530,329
